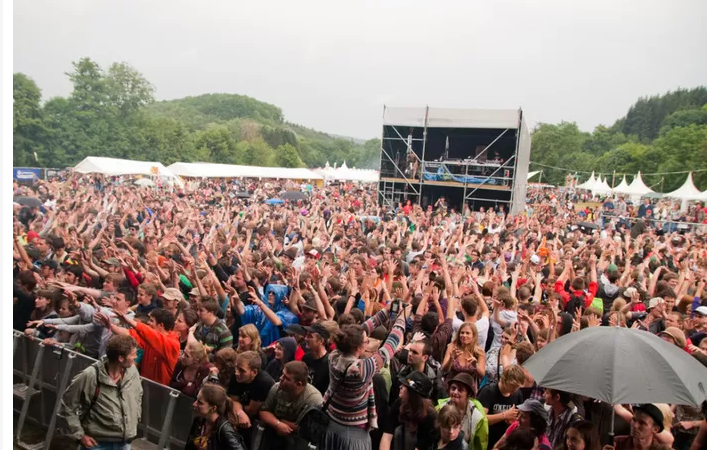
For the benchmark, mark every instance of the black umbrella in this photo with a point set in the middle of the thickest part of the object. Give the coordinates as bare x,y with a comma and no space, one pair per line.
27,201
293,195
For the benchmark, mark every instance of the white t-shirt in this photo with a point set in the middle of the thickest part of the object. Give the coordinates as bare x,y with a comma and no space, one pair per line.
482,326
506,315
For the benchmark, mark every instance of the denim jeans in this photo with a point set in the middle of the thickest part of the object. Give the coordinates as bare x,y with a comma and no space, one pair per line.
109,446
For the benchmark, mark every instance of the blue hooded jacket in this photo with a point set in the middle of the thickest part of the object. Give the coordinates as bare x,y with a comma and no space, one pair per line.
270,333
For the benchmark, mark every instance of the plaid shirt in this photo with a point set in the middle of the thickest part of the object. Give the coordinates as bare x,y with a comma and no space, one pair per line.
556,428
217,336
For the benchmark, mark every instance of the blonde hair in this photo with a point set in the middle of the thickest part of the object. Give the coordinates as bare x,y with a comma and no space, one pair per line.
250,331
667,415
513,375
473,346
198,353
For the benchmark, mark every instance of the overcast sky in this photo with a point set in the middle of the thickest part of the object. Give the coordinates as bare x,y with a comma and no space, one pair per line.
332,68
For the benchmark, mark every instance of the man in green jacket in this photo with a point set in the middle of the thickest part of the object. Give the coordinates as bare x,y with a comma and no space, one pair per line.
103,404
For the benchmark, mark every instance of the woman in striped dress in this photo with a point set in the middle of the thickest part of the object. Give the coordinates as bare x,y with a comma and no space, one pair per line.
352,407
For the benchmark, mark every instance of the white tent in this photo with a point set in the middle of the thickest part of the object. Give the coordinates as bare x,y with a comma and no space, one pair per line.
210,170
117,167
687,191
601,187
532,174
637,188
345,173
622,188
589,184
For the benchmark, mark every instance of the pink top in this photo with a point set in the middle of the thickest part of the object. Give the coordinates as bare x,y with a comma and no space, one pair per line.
543,440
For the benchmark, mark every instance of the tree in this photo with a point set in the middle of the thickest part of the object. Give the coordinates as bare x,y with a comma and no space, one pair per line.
128,91
28,128
218,144
254,153
287,156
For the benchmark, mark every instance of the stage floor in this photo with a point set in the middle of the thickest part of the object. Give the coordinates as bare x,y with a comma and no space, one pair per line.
493,187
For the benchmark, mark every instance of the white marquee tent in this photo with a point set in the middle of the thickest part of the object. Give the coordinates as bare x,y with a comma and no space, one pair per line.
117,167
622,188
344,173
638,188
601,187
687,191
210,170
589,184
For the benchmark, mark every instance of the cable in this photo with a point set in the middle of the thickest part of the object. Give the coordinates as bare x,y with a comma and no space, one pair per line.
611,173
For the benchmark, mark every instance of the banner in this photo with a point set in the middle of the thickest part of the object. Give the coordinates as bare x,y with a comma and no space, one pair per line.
26,173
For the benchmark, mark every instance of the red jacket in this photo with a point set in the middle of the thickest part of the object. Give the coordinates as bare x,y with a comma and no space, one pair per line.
588,298
160,352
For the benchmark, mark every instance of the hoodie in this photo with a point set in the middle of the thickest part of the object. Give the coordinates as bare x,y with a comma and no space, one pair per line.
608,292
274,368
269,332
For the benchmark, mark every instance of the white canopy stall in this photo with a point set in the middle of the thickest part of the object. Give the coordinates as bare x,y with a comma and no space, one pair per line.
211,170
686,193
622,187
601,187
117,167
589,184
344,173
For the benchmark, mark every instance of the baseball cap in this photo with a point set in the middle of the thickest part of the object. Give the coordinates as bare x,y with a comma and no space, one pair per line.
31,236
655,301
295,329
112,262
172,294
629,292
533,406
313,253
535,259
612,268
319,329
702,310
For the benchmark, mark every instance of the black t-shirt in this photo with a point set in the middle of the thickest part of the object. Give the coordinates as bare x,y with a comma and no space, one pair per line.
318,371
490,398
425,429
257,390
22,309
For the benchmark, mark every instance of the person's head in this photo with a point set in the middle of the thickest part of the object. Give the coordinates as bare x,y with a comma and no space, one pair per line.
582,435
542,338
418,354
647,421
113,281
186,318
512,379
524,351
225,361
349,340
467,336
73,274
194,355
449,422
294,377
145,293
461,388
520,439
317,337
212,401
248,338
557,399
49,268
207,311
675,336
121,349
534,416
171,298
675,319
161,320
470,306
247,366
46,299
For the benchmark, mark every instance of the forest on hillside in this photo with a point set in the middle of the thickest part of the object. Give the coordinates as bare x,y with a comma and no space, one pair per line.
113,112
659,135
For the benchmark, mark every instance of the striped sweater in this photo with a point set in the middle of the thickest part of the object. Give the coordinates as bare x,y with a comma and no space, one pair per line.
353,403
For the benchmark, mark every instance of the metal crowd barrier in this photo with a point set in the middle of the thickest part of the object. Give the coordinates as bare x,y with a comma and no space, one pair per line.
42,373
673,225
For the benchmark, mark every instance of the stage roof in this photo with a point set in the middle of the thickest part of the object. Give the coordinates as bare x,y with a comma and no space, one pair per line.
452,118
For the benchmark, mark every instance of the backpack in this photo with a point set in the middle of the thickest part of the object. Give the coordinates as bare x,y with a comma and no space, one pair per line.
96,391
573,304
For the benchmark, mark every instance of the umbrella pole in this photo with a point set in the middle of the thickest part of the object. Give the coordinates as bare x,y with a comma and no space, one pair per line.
613,418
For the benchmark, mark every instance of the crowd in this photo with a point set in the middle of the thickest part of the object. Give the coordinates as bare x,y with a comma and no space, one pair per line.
337,321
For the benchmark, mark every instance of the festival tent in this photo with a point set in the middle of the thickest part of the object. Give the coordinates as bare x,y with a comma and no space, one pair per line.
589,184
210,170
687,191
622,188
344,173
638,188
117,167
601,187
532,174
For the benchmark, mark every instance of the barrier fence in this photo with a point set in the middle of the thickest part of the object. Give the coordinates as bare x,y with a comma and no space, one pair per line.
41,374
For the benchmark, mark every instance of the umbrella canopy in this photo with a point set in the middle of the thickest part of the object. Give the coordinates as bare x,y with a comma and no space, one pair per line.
275,201
293,195
619,365
28,201
243,194
144,182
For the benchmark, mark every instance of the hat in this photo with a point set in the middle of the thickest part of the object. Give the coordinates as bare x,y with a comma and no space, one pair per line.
465,379
612,268
295,329
195,292
702,310
291,253
314,253
418,382
630,292
655,301
50,263
310,305
535,259
677,335
319,329
534,406
172,294
653,411
112,262
31,236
